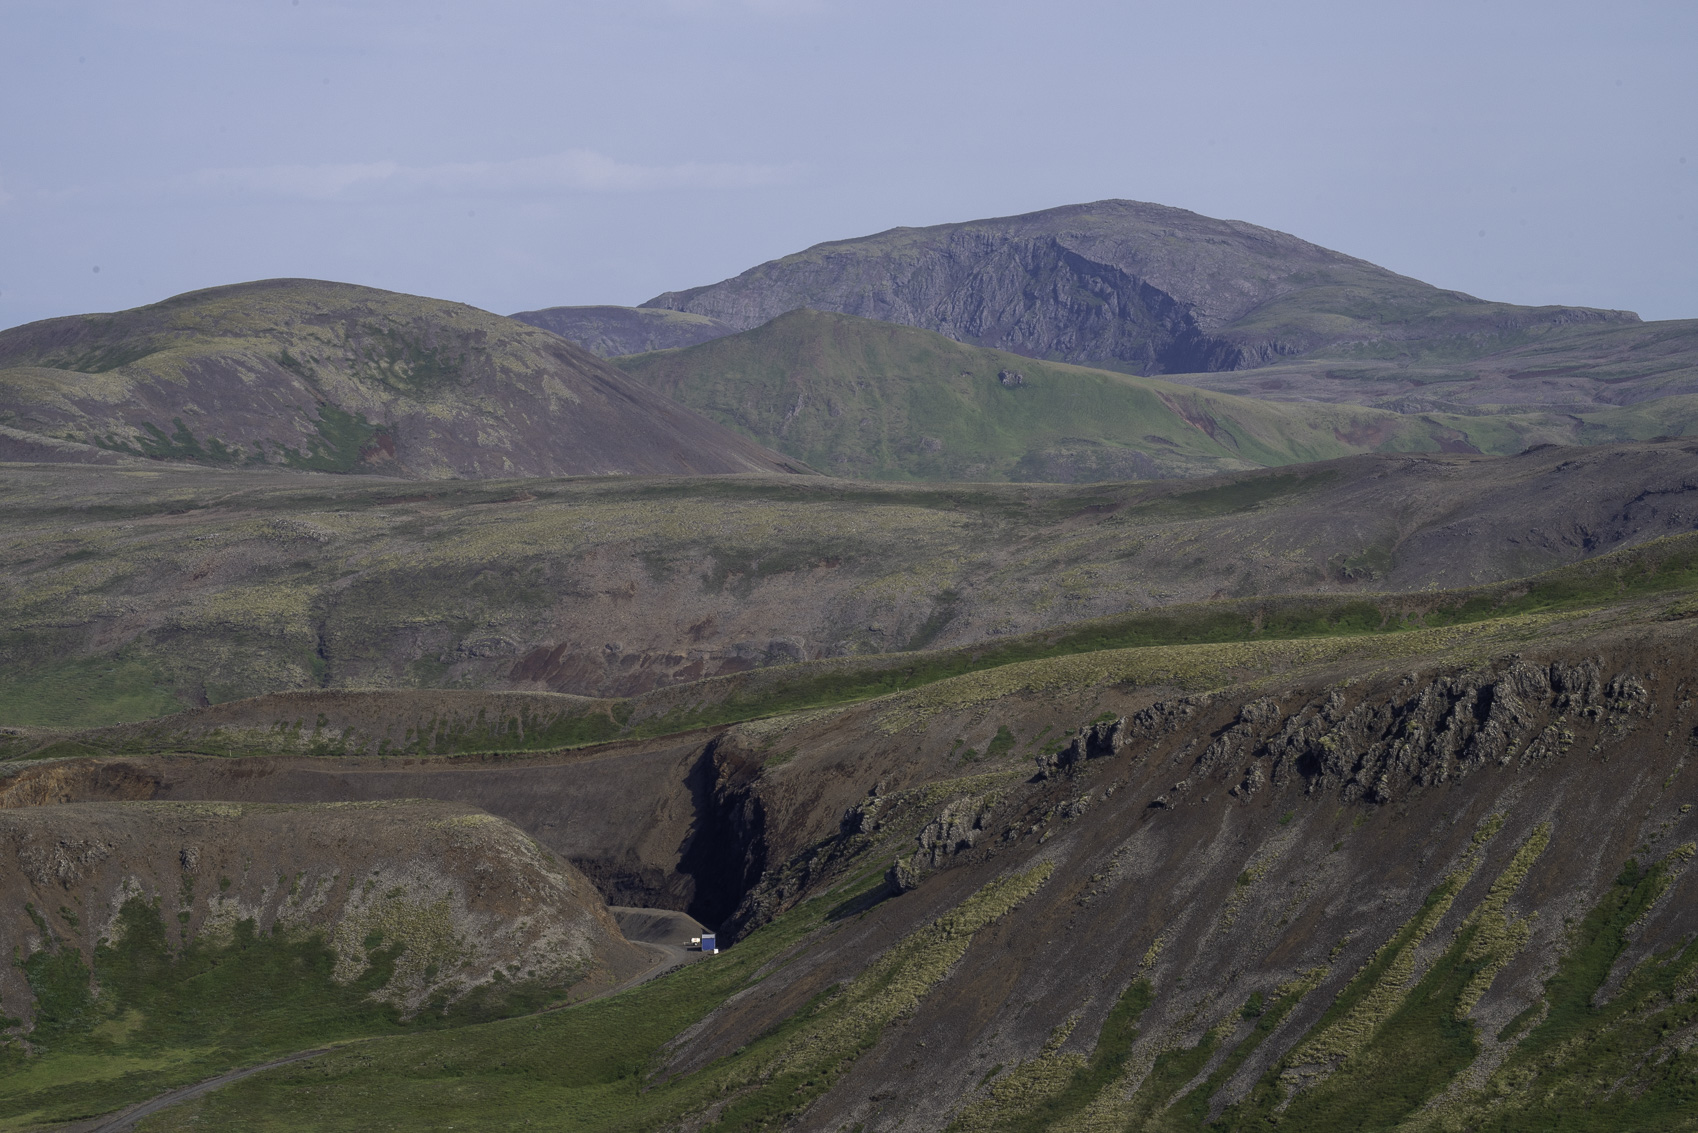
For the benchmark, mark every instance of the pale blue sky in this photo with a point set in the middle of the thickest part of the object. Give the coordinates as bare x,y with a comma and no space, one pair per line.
518,154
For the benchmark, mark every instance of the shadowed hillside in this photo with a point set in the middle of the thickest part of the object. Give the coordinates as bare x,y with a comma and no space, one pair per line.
610,331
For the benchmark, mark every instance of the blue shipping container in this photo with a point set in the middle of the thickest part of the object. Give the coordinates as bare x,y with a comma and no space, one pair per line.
708,944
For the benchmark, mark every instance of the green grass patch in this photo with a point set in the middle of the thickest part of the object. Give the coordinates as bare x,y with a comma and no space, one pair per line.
1190,1112
344,439
83,693
1591,1066
1107,1063
169,1013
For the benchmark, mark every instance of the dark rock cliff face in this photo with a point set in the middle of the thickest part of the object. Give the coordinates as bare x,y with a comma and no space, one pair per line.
1123,283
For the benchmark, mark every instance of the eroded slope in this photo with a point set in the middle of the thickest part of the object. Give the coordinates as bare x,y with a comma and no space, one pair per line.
167,940
1440,880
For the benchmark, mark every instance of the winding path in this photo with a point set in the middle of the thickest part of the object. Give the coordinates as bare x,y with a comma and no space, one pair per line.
663,931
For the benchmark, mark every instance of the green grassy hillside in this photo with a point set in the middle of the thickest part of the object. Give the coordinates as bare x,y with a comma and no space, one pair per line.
864,398
858,397
1581,368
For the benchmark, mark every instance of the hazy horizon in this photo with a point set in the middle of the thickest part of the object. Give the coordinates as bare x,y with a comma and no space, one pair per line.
521,155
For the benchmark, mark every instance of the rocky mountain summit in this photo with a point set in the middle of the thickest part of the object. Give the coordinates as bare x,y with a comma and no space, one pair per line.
1125,284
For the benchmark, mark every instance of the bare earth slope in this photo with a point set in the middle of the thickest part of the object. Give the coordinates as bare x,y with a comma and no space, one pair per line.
291,870
1121,283
154,944
339,378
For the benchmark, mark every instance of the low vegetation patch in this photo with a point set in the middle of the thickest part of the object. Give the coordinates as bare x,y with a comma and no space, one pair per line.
153,1013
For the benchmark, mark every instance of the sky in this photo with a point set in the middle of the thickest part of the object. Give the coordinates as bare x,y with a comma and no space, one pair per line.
515,154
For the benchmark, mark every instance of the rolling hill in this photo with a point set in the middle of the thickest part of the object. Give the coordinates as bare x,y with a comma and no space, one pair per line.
878,400
1580,368
337,378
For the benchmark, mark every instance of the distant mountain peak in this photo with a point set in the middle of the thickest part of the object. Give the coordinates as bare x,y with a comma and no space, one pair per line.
1127,284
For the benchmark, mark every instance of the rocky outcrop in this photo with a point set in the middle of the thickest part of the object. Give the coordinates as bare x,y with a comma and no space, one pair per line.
1433,730
1098,740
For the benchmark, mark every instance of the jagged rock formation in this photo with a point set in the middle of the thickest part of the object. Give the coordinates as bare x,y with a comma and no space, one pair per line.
608,332
1121,283
1094,741
1426,732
